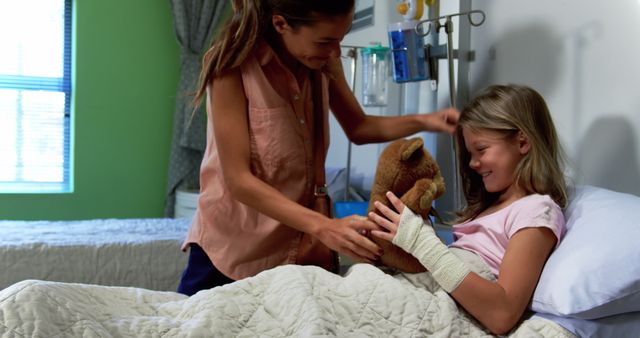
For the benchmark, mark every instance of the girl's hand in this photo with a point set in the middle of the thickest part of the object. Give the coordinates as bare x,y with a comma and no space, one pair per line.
390,221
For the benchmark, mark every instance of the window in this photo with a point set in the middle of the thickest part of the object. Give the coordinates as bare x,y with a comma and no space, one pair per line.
35,96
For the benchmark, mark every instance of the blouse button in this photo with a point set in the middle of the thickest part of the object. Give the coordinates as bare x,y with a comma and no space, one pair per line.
296,97
301,121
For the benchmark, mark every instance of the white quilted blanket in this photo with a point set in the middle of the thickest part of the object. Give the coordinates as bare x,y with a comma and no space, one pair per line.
141,252
289,301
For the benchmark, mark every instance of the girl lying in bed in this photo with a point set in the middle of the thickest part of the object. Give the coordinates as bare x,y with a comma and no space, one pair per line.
509,158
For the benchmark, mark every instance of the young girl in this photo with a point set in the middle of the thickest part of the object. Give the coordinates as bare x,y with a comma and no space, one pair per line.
269,81
509,158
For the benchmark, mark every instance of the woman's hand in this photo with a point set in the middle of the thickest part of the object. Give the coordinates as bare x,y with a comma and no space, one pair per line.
444,120
348,236
391,220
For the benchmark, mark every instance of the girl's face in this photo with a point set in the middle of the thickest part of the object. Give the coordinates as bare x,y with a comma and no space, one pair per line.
313,45
495,158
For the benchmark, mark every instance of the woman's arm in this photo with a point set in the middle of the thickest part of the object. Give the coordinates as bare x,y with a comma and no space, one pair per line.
361,128
497,305
228,106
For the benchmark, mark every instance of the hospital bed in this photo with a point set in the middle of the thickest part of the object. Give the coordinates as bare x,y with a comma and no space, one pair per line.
141,252
590,287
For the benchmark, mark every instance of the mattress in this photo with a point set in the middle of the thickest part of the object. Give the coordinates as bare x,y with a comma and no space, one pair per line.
143,252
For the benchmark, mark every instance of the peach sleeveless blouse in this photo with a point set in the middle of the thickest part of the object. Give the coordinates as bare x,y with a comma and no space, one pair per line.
240,241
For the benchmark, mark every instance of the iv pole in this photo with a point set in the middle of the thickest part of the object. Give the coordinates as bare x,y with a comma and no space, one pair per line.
450,55
435,52
353,55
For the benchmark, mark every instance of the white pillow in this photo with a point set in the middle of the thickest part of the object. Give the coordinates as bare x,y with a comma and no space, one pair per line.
622,325
595,271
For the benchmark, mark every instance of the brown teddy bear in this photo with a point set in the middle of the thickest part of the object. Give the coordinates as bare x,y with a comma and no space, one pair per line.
408,170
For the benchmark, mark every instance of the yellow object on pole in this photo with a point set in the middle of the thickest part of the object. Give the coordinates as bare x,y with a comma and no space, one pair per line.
402,8
411,10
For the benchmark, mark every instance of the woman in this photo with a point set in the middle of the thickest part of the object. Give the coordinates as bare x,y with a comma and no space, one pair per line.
269,80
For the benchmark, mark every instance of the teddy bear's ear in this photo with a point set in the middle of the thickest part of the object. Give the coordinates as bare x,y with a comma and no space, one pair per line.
411,147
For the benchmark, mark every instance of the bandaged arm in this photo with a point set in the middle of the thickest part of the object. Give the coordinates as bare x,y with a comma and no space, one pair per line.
420,240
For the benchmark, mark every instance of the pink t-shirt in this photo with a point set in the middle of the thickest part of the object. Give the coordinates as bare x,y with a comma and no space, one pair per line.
488,236
239,240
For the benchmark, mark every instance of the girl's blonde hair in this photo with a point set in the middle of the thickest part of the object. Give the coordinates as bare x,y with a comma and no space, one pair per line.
250,22
509,110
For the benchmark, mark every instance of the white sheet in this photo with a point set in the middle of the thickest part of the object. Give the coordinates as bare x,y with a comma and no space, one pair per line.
124,252
288,301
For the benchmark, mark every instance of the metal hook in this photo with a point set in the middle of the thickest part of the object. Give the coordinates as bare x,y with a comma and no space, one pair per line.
436,21
474,12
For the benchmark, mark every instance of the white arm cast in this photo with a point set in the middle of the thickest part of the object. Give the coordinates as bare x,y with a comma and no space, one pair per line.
420,240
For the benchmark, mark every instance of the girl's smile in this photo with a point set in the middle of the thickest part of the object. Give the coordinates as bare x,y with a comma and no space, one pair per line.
495,158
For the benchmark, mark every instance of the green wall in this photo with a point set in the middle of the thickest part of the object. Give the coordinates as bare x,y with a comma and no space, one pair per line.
126,73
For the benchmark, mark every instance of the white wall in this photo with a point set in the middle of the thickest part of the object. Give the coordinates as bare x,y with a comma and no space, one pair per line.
583,57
